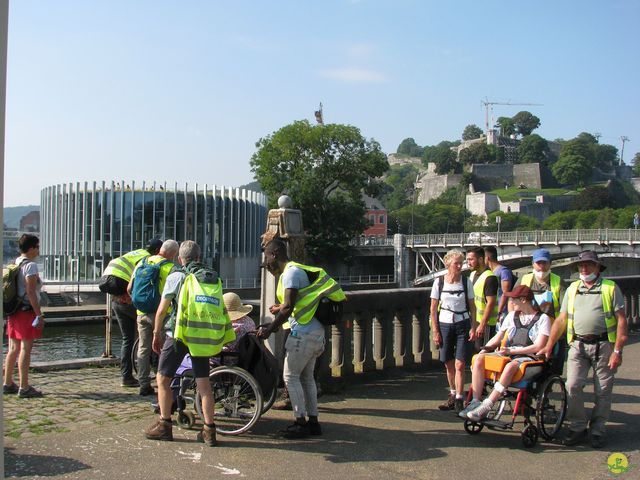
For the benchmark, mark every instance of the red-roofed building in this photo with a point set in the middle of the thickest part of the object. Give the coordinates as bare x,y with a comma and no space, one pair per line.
377,216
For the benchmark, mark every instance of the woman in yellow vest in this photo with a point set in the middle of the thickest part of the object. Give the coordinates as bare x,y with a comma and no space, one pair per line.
300,288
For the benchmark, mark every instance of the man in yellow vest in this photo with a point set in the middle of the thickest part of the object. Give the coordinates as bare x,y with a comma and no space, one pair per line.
199,325
165,258
299,291
593,313
485,293
548,290
115,280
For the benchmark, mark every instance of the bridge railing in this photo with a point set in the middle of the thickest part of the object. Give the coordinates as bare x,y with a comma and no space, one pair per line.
389,328
532,237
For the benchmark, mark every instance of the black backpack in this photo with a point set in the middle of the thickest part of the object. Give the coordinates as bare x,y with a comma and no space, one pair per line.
464,289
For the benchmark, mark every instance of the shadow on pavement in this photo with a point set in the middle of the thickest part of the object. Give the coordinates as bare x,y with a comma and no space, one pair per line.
28,465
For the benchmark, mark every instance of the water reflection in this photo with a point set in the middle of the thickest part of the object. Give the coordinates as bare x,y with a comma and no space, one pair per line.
65,342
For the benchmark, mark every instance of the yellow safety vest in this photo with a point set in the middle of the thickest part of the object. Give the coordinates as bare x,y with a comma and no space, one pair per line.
165,270
122,267
480,300
554,283
308,298
607,290
202,322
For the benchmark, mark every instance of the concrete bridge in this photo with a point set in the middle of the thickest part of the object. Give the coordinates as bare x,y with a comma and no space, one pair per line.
419,258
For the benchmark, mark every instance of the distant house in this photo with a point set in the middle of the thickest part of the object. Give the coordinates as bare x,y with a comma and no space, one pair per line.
30,222
377,216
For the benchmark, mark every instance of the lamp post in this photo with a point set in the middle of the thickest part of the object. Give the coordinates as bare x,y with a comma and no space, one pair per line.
413,203
498,221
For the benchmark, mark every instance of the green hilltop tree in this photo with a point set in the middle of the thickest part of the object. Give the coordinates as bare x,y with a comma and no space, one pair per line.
572,170
471,132
636,164
533,149
443,157
324,169
525,123
506,125
409,147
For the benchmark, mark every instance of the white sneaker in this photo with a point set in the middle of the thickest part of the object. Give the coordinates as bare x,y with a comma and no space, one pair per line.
480,412
473,404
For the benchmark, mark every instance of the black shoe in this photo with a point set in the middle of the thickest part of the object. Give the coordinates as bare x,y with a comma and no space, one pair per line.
574,438
597,441
29,392
314,428
129,382
10,389
295,431
146,391
459,405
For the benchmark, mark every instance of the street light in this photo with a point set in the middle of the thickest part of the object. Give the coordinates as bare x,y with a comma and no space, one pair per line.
498,221
413,202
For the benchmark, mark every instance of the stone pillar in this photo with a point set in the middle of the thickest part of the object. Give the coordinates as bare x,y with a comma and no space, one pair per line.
285,223
401,260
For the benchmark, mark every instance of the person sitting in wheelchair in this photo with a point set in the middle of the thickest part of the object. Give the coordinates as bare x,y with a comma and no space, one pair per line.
523,332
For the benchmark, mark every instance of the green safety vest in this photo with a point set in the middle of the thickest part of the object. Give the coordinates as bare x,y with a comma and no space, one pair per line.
607,290
122,267
554,283
165,270
480,300
202,322
309,297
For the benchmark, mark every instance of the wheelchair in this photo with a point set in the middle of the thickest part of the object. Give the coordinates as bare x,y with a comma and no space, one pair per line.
539,396
239,399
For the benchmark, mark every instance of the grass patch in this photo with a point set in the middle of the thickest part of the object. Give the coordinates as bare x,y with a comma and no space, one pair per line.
513,194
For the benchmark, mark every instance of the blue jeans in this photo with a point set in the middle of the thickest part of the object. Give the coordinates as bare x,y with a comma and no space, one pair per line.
126,317
302,350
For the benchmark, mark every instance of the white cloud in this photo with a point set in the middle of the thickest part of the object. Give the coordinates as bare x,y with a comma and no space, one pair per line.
354,75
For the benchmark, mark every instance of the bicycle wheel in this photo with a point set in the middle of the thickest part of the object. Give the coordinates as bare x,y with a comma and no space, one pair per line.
238,400
551,407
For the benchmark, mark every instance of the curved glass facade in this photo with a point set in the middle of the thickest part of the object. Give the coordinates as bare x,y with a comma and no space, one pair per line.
84,226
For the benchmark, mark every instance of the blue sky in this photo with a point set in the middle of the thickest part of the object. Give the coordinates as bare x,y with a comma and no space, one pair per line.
181,91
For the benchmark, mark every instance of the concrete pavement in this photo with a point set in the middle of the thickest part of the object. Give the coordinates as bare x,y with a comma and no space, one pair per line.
88,427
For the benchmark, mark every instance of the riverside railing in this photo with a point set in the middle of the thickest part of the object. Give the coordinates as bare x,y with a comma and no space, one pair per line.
382,329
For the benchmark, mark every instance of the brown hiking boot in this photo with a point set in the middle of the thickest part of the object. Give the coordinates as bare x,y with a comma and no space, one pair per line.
160,430
207,435
450,404
284,403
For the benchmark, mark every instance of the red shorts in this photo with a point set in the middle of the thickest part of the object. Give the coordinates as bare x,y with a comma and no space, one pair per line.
19,326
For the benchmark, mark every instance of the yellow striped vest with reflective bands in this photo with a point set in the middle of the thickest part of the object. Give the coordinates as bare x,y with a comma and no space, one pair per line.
122,267
554,284
606,291
308,298
480,300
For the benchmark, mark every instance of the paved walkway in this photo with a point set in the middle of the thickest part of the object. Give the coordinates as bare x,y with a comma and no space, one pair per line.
88,427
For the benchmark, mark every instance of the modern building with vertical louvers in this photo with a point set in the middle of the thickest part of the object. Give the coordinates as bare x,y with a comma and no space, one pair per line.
84,225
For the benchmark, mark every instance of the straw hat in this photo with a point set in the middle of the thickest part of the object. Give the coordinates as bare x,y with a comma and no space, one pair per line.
234,306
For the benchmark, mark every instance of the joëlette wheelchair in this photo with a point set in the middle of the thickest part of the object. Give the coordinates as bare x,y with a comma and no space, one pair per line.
535,393
240,399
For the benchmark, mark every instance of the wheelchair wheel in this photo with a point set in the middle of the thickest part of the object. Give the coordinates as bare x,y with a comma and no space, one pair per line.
473,428
551,407
530,436
270,397
186,419
134,358
238,400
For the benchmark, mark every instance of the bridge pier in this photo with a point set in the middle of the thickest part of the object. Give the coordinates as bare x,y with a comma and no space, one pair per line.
401,260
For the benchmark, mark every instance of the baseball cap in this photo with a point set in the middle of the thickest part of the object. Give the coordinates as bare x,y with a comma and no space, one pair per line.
541,255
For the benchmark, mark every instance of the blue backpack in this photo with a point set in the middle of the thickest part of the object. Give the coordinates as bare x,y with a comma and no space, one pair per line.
145,294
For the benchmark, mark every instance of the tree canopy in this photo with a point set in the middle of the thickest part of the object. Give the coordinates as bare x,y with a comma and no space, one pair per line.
636,164
471,132
572,170
409,147
324,169
533,149
443,157
525,123
506,125
399,185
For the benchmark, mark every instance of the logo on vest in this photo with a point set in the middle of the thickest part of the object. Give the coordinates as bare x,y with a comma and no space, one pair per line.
207,299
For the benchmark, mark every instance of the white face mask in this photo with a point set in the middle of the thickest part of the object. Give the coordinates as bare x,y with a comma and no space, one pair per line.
588,278
541,275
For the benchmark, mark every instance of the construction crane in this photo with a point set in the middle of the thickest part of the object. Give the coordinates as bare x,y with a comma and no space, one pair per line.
488,105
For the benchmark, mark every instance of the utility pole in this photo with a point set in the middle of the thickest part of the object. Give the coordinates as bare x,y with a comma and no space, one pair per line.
624,139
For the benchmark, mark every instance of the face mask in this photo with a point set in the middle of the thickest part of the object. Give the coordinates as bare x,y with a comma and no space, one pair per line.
588,278
541,275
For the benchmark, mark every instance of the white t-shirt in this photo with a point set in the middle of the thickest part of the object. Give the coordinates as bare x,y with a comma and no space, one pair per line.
452,300
296,278
28,268
542,326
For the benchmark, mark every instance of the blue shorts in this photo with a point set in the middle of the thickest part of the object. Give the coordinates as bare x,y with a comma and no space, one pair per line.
455,341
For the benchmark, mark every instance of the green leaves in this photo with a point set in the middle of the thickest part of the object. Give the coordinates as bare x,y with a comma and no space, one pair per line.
324,169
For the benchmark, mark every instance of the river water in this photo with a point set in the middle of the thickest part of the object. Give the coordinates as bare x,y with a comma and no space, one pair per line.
70,341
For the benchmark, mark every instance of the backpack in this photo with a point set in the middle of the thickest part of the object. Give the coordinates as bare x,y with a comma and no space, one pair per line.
464,289
329,312
113,285
145,294
11,302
